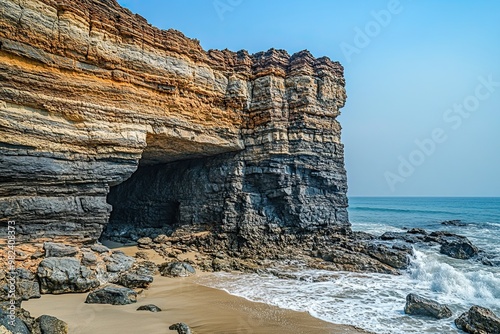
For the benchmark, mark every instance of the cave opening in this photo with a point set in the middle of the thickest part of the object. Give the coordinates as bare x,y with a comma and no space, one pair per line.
177,186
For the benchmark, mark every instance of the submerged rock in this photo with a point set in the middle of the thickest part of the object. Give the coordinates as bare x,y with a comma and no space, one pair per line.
149,307
478,320
454,222
112,294
416,305
181,328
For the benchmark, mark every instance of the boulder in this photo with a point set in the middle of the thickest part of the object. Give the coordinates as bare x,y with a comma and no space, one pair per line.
149,307
53,249
396,257
51,325
458,247
118,262
15,326
132,280
112,294
416,305
181,328
177,269
478,320
65,274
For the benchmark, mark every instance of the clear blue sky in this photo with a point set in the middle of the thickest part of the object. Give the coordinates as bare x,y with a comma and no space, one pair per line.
417,71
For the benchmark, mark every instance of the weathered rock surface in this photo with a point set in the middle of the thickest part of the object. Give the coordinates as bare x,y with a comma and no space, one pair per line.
181,328
112,294
250,143
149,307
417,305
177,269
131,280
478,320
65,274
51,325
59,250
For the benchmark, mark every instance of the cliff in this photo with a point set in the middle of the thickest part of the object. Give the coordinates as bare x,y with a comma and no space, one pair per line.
107,123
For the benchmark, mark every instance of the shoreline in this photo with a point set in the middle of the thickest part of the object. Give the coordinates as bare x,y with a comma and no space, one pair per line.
204,309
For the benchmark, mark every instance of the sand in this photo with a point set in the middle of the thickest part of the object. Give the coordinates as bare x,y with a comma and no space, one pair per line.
204,309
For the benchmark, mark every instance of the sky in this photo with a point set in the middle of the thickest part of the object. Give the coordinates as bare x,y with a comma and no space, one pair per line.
422,116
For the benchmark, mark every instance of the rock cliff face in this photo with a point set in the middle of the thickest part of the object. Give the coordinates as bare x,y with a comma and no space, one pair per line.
95,101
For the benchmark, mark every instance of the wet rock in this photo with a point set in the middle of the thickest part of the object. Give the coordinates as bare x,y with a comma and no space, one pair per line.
112,294
417,231
59,250
454,222
149,307
402,236
395,257
181,328
458,247
132,280
416,305
64,274
51,325
478,320
119,262
177,269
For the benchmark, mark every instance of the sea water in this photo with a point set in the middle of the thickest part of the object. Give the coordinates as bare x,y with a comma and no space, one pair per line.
375,302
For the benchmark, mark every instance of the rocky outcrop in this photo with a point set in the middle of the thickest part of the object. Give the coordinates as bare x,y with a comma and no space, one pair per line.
417,305
478,320
246,147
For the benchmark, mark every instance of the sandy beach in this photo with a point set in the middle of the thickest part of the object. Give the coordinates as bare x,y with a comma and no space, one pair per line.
205,309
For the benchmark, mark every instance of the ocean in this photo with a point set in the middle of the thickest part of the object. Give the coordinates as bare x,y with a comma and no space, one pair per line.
375,302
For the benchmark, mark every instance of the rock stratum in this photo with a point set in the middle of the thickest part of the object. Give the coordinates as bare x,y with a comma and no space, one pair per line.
110,124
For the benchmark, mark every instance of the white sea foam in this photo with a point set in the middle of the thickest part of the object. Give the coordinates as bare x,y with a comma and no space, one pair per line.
374,301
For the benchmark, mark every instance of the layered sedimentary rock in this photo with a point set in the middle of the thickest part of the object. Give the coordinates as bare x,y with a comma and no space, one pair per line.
94,100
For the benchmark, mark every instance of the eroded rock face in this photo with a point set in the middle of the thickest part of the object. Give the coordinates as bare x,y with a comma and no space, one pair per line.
245,146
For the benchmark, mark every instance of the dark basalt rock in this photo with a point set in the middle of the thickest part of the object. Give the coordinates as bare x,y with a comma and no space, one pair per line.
65,274
181,328
456,246
51,325
416,305
177,269
454,222
27,285
149,307
18,326
396,257
112,294
132,280
478,320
